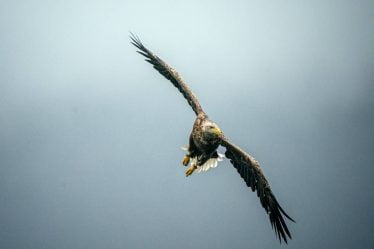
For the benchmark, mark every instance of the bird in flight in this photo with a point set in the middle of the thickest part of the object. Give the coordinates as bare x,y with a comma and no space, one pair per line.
206,137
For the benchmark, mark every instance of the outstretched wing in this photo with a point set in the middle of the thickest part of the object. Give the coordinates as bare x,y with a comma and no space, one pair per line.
249,169
169,73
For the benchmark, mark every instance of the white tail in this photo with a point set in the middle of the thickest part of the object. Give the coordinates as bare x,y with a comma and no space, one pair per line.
211,163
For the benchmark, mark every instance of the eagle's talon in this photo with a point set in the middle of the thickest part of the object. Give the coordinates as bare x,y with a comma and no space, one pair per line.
190,170
186,160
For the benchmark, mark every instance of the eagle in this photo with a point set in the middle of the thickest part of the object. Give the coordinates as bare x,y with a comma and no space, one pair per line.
206,137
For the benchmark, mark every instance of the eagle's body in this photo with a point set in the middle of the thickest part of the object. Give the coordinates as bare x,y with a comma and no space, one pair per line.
206,137
203,143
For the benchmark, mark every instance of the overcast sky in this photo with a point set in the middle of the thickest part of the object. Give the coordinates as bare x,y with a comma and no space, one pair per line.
90,133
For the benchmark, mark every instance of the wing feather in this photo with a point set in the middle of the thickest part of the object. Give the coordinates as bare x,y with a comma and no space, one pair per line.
249,169
169,73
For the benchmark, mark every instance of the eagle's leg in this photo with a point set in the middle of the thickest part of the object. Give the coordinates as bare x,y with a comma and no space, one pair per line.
201,159
186,159
191,169
191,152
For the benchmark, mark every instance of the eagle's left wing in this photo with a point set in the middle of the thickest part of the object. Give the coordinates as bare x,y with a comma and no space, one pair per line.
249,169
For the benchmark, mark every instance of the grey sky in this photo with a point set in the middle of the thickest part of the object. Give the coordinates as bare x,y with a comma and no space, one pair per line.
90,134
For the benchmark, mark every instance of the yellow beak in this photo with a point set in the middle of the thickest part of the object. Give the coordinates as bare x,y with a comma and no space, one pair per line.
217,131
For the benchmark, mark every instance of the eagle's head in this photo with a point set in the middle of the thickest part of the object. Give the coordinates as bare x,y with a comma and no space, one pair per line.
211,130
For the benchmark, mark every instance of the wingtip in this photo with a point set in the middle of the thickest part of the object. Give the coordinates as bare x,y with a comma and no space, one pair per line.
132,35
135,40
285,214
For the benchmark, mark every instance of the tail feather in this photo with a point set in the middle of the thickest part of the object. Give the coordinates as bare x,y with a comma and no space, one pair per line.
209,164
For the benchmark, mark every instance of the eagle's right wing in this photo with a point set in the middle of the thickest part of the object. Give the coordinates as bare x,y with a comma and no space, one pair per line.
169,73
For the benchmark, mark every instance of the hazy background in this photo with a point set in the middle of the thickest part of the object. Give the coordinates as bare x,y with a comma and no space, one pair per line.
90,134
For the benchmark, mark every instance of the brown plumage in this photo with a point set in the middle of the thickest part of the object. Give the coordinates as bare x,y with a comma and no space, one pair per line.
204,140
